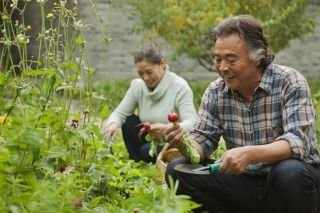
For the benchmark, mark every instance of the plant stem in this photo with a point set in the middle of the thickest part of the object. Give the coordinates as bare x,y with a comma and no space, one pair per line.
12,105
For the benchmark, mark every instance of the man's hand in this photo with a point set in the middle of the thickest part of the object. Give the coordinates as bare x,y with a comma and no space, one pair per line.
187,147
173,135
234,161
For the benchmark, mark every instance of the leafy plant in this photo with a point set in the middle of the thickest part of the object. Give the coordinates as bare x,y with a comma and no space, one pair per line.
53,157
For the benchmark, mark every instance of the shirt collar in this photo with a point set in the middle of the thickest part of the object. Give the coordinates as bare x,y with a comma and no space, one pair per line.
267,79
265,83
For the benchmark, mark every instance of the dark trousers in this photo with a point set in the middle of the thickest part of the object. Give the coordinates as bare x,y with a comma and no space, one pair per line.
292,186
137,147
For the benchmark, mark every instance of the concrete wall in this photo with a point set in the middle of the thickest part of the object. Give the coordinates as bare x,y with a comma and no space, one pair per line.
304,55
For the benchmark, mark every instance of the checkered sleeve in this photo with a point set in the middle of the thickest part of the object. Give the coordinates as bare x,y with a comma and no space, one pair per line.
298,118
206,131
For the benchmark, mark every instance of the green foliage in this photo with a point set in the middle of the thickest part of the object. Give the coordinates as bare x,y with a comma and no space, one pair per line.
190,150
185,25
164,201
53,155
315,91
198,88
114,90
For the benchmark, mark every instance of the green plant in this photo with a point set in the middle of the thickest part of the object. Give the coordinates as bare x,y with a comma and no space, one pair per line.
315,91
53,156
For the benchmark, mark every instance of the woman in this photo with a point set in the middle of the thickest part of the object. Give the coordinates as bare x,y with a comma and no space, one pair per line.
156,93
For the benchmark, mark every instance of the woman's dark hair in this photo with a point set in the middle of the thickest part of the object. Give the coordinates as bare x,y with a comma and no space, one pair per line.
149,52
250,29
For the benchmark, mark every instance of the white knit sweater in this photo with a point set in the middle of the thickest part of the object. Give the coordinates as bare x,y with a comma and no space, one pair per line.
172,94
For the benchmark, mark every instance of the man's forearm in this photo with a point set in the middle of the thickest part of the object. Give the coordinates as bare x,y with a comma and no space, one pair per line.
272,152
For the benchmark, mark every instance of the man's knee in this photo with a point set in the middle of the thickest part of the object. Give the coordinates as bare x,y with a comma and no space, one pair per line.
170,171
290,173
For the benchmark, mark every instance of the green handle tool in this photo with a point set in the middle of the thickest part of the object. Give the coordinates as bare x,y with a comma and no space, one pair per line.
211,167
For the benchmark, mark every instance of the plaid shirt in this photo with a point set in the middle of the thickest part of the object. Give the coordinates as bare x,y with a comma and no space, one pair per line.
281,109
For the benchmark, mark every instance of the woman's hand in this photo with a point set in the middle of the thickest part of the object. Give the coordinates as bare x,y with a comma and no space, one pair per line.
111,131
156,131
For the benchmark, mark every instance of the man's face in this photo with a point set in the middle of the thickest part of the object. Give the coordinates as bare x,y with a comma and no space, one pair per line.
232,62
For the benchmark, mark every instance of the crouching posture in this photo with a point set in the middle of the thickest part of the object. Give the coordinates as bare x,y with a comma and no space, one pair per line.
264,113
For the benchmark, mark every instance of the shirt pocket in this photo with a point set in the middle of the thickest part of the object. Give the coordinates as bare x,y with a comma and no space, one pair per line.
233,135
274,130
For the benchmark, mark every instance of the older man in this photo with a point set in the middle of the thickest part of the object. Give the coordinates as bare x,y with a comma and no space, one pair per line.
265,114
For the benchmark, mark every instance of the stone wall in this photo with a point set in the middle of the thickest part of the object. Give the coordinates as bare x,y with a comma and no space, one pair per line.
117,62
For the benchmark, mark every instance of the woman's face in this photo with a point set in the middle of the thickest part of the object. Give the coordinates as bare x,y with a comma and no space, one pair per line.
150,73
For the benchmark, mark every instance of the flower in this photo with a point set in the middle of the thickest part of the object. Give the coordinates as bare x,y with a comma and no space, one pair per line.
5,17
14,4
41,1
22,39
7,42
5,119
79,24
50,15
68,170
72,122
63,3
63,171
57,176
